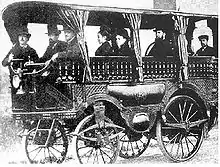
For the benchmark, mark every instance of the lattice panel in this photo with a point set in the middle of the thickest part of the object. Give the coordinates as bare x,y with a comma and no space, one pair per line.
82,91
205,86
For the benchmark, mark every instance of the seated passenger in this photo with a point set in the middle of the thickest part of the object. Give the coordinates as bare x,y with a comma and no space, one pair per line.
205,50
122,40
104,36
162,47
20,50
55,45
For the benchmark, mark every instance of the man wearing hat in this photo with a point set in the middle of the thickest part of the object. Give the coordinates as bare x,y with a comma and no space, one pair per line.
55,45
161,48
205,50
21,50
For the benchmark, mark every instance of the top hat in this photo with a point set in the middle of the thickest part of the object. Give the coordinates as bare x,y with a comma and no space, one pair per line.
203,37
23,31
52,29
159,28
122,32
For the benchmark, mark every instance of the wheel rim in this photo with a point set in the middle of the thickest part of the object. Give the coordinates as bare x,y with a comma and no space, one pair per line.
133,149
180,132
93,144
54,152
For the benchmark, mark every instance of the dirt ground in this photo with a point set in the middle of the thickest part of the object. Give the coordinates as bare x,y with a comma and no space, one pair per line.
12,149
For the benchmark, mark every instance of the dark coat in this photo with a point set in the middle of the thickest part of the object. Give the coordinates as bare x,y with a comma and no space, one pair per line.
125,50
161,49
53,48
104,50
208,51
27,54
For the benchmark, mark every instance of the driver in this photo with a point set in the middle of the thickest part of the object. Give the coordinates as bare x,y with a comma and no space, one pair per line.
21,50
162,47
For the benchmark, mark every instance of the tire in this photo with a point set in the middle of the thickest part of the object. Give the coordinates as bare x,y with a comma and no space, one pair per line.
54,152
180,131
93,144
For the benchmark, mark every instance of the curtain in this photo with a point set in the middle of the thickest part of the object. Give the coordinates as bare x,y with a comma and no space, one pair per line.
181,24
135,23
76,20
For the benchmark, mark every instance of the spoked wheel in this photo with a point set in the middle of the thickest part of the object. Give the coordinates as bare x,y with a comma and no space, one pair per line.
133,148
180,132
97,143
43,149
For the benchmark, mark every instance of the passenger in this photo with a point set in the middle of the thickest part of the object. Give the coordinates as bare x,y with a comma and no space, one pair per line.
21,50
205,50
104,36
162,47
55,45
122,40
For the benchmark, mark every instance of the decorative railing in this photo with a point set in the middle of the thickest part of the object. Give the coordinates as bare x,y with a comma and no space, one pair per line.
202,67
122,69
155,69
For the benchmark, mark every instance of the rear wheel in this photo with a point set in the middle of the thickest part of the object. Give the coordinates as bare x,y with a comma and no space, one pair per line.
96,143
180,131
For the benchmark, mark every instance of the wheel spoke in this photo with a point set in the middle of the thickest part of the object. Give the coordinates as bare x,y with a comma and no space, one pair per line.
192,115
102,156
189,112
106,154
187,145
56,149
91,151
37,154
173,116
181,113
49,151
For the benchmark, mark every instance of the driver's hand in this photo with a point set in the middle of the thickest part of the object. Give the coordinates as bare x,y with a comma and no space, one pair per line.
47,62
29,62
54,56
10,57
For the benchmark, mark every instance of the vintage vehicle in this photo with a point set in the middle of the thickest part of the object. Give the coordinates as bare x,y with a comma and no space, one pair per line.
110,106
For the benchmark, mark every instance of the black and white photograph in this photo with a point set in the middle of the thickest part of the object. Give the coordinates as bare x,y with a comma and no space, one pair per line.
109,82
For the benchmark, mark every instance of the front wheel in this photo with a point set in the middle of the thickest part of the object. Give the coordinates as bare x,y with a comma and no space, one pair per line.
44,147
180,131
96,143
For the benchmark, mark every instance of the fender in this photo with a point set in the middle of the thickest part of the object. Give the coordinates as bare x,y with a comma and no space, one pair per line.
184,86
104,97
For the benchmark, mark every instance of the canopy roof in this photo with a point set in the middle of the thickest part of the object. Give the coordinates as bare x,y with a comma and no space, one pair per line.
41,12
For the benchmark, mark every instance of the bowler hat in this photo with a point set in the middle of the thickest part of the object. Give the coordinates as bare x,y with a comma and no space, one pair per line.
23,31
122,32
203,37
51,28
